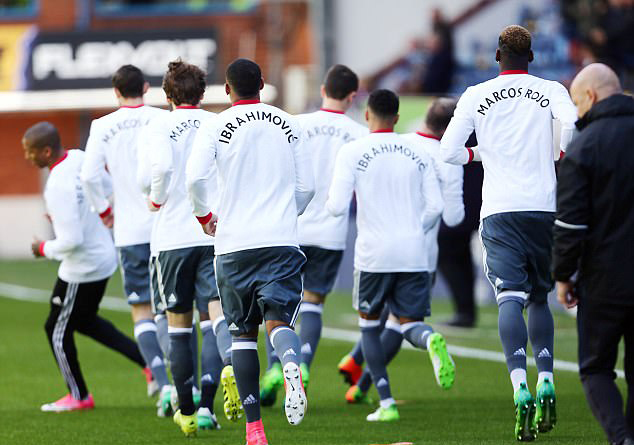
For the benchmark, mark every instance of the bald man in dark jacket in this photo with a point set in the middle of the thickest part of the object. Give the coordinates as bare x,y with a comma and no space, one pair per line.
594,236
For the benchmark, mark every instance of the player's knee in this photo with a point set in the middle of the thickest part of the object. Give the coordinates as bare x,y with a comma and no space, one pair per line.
313,297
141,311
365,316
404,320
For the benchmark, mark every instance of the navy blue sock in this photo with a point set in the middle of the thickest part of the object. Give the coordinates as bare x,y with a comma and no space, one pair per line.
182,367
310,330
146,338
375,357
271,357
211,366
286,344
246,368
513,335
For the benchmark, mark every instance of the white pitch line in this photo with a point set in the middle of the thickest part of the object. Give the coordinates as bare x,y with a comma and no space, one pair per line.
23,293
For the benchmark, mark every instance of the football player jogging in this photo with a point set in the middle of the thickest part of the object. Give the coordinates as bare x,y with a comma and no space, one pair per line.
512,116
322,237
112,142
450,178
183,266
398,200
88,259
265,181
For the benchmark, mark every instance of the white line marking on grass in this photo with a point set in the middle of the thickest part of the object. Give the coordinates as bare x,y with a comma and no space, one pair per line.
23,293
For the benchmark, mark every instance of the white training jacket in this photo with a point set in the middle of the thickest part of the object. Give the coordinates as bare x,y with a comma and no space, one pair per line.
170,138
512,116
450,179
324,132
398,200
264,177
112,144
82,243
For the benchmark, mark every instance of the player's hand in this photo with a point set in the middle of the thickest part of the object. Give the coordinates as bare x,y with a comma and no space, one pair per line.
566,294
151,206
35,248
210,226
107,217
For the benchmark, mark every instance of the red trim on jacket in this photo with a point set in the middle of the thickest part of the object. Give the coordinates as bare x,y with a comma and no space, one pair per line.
41,248
131,106
332,111
427,135
246,102
471,154
384,130
105,213
158,206
204,219
187,107
59,161
503,73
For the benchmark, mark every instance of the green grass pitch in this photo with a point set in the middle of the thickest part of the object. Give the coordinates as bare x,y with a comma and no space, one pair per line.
478,410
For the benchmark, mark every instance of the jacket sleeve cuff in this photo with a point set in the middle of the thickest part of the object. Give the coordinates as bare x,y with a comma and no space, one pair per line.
106,212
41,248
158,206
204,219
471,154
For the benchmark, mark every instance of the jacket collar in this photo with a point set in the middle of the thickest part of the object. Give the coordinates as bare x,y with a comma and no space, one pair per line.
616,105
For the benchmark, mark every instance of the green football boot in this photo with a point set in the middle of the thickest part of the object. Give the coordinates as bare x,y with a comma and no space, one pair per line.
233,405
164,403
546,414
525,427
384,415
354,395
303,367
271,382
444,367
207,420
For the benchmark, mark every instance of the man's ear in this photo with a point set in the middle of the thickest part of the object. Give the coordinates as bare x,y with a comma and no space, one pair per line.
350,97
261,83
227,89
531,56
117,93
146,87
497,55
367,116
322,91
592,96
396,118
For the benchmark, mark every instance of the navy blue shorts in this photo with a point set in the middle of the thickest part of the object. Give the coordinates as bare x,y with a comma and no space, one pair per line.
406,294
135,271
517,249
321,268
182,277
260,284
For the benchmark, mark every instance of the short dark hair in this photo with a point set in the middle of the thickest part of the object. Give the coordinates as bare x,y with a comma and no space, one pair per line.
184,83
515,42
43,134
245,77
439,114
129,81
383,103
340,81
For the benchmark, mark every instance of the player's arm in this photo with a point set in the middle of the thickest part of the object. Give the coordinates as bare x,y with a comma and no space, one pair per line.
565,112
432,197
64,213
453,212
342,185
462,125
161,166
304,179
573,216
92,175
200,173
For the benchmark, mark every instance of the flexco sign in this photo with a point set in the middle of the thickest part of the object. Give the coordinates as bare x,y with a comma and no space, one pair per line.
88,59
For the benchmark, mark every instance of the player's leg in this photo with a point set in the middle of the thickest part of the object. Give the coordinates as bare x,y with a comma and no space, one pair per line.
135,272
537,230
369,295
320,273
60,327
391,339
600,327
351,365
176,270
273,378
279,290
411,303
211,366
505,265
629,371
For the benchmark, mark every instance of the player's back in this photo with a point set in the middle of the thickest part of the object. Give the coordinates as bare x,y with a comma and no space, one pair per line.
512,116
87,251
115,137
323,133
389,175
170,139
255,150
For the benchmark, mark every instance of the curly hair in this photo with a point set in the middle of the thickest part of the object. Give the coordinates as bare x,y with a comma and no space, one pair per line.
184,83
515,41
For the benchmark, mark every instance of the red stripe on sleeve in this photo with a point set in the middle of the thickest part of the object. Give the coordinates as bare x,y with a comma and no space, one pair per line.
204,219
41,248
